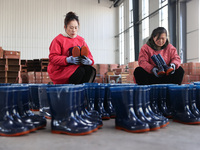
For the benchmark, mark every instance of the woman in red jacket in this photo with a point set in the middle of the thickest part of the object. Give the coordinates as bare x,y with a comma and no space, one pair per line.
158,61
70,60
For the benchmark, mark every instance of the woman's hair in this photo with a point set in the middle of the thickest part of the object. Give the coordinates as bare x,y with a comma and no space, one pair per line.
158,31
69,17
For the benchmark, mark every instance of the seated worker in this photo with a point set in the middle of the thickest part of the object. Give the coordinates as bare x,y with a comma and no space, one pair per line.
158,61
70,60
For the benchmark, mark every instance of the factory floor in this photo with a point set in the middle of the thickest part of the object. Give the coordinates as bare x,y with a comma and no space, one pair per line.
175,136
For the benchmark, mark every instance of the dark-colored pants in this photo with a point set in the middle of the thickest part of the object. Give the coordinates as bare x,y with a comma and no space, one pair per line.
142,77
83,74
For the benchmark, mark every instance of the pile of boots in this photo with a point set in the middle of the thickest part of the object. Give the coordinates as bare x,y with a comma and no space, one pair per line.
133,111
15,117
159,99
163,68
185,103
68,112
98,98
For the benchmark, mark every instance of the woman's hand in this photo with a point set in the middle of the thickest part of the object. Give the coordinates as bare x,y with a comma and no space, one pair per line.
155,71
73,60
85,60
173,66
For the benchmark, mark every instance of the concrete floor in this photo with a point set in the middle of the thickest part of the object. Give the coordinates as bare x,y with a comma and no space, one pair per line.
175,136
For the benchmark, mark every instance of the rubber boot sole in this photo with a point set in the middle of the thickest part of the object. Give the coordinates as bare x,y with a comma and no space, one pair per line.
164,125
15,134
169,71
188,123
105,118
75,52
154,129
84,51
75,134
132,131
161,73
40,127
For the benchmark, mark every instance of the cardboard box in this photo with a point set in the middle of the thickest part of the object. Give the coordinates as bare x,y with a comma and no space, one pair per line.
11,54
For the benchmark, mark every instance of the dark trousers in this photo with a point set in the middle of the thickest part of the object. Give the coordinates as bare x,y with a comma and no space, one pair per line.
83,74
142,77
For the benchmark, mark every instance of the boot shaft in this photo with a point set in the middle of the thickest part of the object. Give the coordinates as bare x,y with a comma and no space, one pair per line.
179,98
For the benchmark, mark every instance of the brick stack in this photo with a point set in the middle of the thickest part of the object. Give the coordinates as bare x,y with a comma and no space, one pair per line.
192,72
37,71
24,73
131,68
9,66
44,74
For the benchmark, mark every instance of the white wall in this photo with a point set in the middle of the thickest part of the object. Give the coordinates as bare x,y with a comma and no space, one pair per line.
193,31
29,26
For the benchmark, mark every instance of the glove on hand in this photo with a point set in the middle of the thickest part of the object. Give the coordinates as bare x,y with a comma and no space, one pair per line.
85,60
155,70
73,60
173,66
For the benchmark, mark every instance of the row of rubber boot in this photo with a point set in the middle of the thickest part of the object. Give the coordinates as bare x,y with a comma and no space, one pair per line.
68,112
163,68
98,98
16,118
133,111
185,103
179,102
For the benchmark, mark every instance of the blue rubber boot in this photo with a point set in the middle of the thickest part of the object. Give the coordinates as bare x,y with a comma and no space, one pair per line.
193,100
161,70
122,98
139,95
8,126
163,100
99,101
197,86
34,99
167,69
62,105
107,102
76,106
90,99
43,101
25,112
96,121
14,112
154,99
148,111
180,105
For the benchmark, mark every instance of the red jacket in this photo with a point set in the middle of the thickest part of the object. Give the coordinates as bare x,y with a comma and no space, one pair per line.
169,54
58,69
